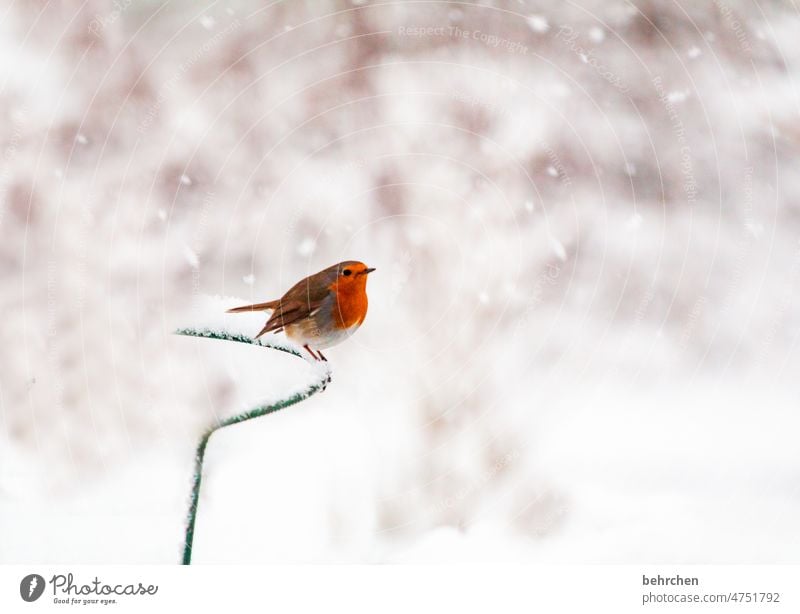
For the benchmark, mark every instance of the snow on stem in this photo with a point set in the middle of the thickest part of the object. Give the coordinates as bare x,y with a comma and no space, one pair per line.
261,410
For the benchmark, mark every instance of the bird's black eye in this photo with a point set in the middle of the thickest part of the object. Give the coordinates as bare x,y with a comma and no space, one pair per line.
347,272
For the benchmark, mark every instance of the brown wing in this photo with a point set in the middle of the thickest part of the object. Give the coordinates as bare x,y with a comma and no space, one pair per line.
300,302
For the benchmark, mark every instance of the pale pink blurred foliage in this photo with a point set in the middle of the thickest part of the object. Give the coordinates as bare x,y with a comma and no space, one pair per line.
608,194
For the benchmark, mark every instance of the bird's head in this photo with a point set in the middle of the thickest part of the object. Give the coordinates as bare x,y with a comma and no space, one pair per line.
351,275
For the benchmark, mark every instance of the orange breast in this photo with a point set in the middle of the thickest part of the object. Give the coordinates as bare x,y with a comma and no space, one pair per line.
352,305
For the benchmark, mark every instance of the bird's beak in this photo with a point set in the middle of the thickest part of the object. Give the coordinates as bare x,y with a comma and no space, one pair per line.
368,271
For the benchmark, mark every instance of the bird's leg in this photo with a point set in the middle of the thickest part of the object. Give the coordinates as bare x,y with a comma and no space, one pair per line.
310,351
322,356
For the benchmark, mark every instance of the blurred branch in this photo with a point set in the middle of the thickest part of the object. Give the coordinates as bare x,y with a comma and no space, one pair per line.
256,412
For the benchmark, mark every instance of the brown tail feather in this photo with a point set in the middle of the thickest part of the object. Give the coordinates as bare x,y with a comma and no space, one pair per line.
267,329
256,307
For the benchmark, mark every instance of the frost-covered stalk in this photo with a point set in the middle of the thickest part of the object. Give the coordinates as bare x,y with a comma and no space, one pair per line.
262,410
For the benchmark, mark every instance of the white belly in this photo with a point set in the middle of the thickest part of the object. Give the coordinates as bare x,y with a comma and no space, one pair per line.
307,333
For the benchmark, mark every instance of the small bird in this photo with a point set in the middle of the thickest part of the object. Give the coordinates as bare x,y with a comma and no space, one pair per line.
321,310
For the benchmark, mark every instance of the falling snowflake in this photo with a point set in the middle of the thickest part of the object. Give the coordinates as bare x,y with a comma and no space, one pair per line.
538,24
307,246
678,96
558,249
754,229
191,257
634,222
597,35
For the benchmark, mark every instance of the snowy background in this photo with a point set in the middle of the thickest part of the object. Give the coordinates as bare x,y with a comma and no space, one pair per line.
582,338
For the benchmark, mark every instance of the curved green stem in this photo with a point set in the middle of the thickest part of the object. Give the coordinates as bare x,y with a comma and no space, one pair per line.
262,410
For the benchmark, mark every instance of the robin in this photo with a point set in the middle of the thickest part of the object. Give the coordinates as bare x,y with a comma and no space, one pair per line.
321,310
